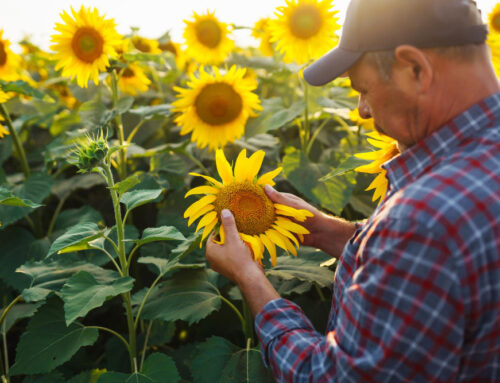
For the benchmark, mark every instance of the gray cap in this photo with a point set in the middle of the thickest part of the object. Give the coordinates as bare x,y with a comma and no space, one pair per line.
377,25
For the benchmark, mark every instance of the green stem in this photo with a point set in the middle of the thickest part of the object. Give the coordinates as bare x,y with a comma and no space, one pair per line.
7,309
110,257
315,135
148,332
124,341
6,355
238,313
196,161
55,215
248,319
138,315
17,142
123,262
122,166
129,261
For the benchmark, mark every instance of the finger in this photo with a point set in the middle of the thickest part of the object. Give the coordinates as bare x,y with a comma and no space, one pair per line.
282,198
229,224
273,194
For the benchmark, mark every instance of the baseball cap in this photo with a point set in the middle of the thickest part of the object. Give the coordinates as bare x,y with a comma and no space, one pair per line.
377,25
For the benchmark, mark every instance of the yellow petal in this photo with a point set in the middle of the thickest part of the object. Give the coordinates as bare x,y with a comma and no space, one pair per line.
199,213
223,167
206,220
240,166
286,233
254,164
208,230
209,179
274,236
291,226
254,245
202,202
202,190
267,178
271,249
301,237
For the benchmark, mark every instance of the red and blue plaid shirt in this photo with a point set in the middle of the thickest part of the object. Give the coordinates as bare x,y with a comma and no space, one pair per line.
416,296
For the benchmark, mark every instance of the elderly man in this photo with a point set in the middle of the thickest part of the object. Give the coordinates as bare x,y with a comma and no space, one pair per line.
417,289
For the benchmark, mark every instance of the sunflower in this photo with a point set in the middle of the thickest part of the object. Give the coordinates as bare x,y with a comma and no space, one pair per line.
494,44
304,29
388,149
176,50
3,131
494,20
261,223
261,32
145,45
84,44
207,39
133,80
216,106
9,61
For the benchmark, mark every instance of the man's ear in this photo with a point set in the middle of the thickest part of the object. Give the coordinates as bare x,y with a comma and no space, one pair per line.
413,67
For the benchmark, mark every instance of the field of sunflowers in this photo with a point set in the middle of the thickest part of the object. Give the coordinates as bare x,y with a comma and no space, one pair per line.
118,154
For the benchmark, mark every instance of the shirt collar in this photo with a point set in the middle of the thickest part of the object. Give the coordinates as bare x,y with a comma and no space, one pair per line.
415,161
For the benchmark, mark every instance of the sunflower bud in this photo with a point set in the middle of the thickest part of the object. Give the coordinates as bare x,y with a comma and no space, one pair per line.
91,153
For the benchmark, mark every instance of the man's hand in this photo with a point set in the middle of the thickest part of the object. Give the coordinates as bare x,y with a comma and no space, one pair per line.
234,260
327,233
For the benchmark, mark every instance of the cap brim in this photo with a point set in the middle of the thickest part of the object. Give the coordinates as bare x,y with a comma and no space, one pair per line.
332,65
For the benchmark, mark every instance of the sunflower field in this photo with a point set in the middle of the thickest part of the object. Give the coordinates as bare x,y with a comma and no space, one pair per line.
118,154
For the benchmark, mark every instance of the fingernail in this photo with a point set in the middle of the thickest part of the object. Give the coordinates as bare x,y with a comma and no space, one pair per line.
269,188
225,213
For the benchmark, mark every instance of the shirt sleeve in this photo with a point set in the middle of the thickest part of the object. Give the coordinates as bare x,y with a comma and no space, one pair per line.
400,320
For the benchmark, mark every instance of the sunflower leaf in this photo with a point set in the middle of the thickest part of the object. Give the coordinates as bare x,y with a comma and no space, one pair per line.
76,238
138,198
347,165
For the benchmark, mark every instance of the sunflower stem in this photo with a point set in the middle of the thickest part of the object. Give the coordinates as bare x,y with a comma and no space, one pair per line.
238,313
122,166
306,133
123,262
17,142
196,161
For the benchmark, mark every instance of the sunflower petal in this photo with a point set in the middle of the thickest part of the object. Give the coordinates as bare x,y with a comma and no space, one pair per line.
271,248
267,178
254,245
208,229
202,190
286,233
291,226
208,218
202,202
209,179
274,236
223,167
240,166
199,213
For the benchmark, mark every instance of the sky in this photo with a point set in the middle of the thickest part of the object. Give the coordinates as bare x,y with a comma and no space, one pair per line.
36,18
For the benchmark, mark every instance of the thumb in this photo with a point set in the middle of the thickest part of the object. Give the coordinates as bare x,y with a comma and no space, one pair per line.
229,224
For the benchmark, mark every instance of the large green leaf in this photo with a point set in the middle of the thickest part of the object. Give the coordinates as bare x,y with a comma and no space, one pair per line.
82,293
15,249
64,188
166,265
18,311
48,342
158,368
304,175
21,87
7,198
162,233
35,189
303,269
138,198
218,360
50,275
76,238
188,296
347,165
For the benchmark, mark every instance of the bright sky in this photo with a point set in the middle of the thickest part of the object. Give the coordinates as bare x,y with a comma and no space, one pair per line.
36,18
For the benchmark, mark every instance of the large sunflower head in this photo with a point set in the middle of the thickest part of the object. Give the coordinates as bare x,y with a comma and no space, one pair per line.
216,106
9,61
207,39
145,45
304,29
261,223
494,20
388,149
133,80
261,32
84,44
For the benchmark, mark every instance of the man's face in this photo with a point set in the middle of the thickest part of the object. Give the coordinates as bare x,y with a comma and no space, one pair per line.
393,109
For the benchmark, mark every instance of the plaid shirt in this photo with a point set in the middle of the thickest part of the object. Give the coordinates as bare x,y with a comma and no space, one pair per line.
416,296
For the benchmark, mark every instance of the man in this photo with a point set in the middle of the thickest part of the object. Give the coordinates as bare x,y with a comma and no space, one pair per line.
417,289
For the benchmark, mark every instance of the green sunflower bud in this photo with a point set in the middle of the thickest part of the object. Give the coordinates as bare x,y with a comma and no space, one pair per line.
91,153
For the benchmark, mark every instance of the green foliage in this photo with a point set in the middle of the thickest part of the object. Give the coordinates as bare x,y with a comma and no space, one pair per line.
138,198
76,238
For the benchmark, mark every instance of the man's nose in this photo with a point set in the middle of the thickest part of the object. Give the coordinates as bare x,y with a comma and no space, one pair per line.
363,108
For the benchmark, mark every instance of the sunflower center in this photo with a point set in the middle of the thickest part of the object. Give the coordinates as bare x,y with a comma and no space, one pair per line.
305,21
87,44
495,22
218,104
142,45
169,47
3,54
127,72
208,33
252,209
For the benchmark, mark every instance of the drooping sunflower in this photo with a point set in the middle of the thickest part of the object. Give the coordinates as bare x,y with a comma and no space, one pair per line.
261,32
494,20
207,39
133,80
387,149
261,223
304,29
145,45
9,61
84,44
216,106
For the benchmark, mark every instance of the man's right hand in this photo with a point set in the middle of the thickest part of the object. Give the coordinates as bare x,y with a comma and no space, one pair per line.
327,233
